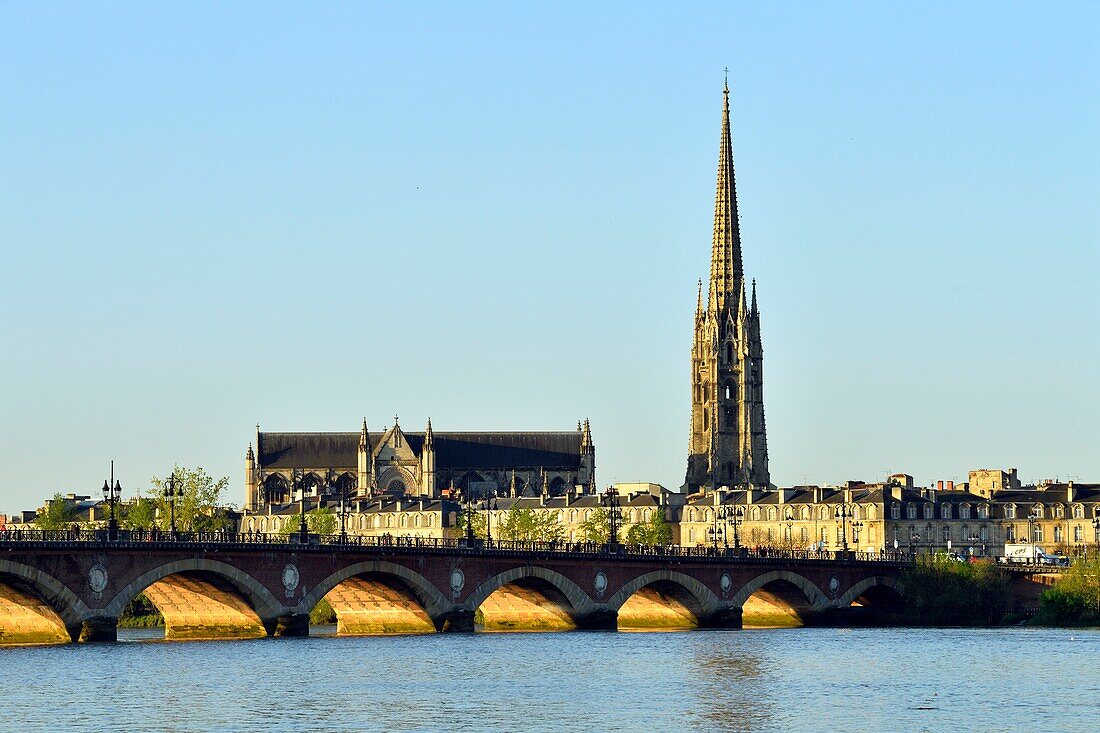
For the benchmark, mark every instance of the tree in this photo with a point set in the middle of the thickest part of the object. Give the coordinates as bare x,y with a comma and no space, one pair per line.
597,528
319,521
654,531
1075,598
142,514
57,514
527,525
477,519
201,506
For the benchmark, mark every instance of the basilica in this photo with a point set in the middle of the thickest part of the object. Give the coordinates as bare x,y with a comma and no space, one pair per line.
324,467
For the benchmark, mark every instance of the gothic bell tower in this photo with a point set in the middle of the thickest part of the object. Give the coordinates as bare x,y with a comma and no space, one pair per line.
728,444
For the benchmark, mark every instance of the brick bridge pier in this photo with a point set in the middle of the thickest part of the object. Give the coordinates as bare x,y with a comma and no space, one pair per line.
59,590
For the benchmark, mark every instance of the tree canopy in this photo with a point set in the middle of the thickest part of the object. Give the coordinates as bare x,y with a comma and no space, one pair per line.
527,525
199,508
319,521
57,514
597,528
654,531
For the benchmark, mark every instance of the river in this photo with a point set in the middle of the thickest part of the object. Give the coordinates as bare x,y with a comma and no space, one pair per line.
752,680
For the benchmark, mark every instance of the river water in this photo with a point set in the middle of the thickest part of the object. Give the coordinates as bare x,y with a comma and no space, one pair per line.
751,680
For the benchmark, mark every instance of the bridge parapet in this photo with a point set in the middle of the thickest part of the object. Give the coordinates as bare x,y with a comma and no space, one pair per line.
249,584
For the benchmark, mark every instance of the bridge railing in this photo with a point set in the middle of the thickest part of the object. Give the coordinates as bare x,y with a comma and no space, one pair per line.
462,544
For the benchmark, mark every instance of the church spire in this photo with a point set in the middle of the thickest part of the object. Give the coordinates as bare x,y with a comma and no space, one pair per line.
725,258
753,310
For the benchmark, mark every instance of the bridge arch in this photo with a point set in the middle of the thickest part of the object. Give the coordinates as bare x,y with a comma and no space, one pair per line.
663,598
529,597
37,608
201,598
378,597
779,598
866,587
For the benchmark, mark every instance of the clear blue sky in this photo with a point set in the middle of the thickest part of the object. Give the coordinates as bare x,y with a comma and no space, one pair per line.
495,214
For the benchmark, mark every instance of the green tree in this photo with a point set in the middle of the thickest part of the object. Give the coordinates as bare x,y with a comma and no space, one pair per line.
57,514
477,519
654,531
142,514
319,521
201,508
596,528
940,591
1075,598
527,525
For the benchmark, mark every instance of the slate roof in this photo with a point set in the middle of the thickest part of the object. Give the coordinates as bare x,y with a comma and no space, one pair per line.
551,450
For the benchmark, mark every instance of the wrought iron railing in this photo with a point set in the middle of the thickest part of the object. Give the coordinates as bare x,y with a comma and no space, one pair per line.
149,537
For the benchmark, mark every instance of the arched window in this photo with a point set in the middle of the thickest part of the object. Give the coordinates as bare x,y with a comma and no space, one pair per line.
756,514
771,514
404,520
416,521
588,515
1078,511
895,511
804,514
1059,511
964,511
872,512
275,524
1010,511
855,511
823,513
945,511
389,520
1038,511
729,356
929,511
572,516
983,511
910,511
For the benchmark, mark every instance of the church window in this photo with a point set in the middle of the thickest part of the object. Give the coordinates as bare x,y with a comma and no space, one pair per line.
729,358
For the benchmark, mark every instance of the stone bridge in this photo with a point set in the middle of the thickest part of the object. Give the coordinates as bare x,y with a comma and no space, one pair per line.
62,591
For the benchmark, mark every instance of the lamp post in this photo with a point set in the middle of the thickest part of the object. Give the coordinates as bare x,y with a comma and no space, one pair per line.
1096,531
856,527
1032,520
735,520
843,512
172,493
973,540
788,519
112,492
727,514
303,525
343,509
490,507
610,499
914,538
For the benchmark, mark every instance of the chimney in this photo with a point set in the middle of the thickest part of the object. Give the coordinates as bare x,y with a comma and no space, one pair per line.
817,495
895,491
950,485
1069,491
939,485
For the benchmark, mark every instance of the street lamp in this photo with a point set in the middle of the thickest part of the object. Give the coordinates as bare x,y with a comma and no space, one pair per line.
610,499
735,520
1096,531
112,492
490,507
343,509
843,512
914,538
303,525
789,521
1032,520
172,493
856,527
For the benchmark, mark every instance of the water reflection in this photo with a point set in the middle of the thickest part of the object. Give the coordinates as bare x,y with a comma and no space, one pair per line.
776,680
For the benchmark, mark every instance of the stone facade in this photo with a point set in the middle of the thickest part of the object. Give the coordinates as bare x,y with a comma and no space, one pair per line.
728,444
895,515
285,467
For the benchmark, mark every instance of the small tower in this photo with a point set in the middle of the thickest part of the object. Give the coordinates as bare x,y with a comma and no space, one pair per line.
427,463
365,472
251,485
586,475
